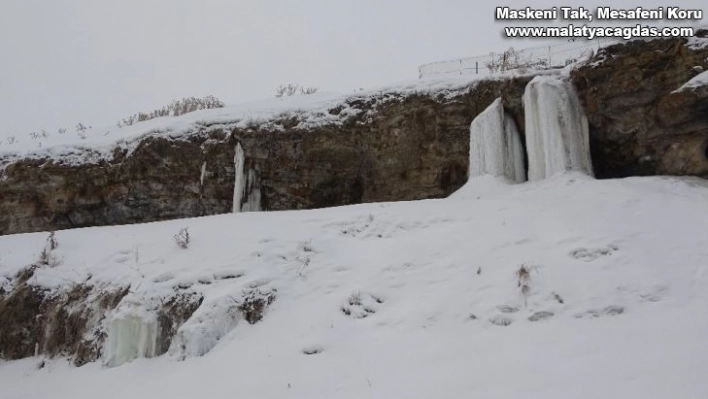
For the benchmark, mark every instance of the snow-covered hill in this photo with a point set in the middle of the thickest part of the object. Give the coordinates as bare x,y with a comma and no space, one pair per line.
562,288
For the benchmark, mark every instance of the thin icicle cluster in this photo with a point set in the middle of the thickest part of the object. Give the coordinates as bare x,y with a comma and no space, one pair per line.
495,145
202,175
557,138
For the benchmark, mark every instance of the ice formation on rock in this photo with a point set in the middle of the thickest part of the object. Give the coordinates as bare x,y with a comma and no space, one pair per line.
239,181
557,136
495,145
247,189
131,333
206,328
253,193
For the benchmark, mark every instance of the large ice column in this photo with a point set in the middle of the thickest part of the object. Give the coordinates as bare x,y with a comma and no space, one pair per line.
239,180
557,136
253,193
495,145
247,188
132,333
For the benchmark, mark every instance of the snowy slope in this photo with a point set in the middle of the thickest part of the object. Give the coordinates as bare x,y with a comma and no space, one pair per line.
620,264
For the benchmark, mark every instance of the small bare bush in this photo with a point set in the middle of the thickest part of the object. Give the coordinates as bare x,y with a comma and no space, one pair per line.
47,256
182,238
308,90
291,89
52,242
523,281
175,108
512,59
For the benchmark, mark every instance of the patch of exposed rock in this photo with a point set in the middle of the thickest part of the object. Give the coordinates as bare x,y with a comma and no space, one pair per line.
640,122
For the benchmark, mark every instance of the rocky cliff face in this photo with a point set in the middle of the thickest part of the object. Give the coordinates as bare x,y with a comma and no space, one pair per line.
397,148
160,180
640,123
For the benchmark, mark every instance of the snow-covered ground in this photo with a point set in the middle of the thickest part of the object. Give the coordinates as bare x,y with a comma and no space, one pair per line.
415,299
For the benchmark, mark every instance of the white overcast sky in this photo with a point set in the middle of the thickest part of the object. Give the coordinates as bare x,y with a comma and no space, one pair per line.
95,61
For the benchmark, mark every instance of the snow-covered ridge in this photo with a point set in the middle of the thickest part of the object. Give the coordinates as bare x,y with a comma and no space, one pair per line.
308,111
302,112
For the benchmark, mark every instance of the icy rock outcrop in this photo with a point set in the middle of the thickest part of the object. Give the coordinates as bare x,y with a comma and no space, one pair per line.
205,328
132,333
557,136
495,145
214,320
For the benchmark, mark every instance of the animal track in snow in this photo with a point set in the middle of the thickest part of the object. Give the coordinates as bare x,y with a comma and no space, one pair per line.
312,350
538,316
612,310
228,275
358,227
507,309
654,295
162,278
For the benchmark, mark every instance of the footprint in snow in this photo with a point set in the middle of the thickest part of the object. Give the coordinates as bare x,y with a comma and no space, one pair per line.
612,310
589,255
312,350
655,294
500,320
228,275
538,316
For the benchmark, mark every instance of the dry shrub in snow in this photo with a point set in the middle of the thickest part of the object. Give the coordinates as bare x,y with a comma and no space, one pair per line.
182,238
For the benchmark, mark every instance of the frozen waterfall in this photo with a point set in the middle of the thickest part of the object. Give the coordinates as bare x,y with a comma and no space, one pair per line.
253,193
495,145
247,188
239,181
132,333
556,129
